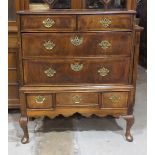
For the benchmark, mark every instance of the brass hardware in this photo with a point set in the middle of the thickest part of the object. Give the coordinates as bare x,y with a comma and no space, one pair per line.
50,72
77,99
76,67
105,44
105,22
40,99
49,45
76,41
48,23
103,71
115,99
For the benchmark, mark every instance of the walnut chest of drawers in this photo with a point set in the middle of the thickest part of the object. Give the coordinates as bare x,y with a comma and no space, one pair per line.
77,62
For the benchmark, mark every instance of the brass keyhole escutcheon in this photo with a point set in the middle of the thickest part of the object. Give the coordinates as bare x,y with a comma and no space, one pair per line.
76,41
103,71
50,72
49,45
106,22
76,67
48,23
39,99
105,44
77,99
115,99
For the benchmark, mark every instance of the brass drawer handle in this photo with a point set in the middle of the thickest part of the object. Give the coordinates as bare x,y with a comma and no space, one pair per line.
48,23
105,44
39,99
114,98
48,45
50,72
103,71
106,22
76,67
77,99
76,41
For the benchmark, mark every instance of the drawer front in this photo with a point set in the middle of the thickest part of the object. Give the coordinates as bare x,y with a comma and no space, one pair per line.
105,22
48,22
76,44
115,100
77,99
39,101
77,71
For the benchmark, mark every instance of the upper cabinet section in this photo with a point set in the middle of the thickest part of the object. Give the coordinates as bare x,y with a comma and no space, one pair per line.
82,4
49,4
106,4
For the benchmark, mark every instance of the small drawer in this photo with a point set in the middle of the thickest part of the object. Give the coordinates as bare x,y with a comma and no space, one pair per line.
48,23
39,101
105,22
115,99
77,99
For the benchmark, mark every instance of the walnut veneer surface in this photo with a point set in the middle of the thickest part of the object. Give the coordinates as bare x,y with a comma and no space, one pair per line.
77,61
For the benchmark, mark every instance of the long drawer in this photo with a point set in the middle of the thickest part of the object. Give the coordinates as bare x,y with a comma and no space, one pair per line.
105,22
76,44
48,22
76,71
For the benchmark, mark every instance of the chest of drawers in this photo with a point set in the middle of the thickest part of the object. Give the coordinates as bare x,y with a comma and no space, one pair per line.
77,62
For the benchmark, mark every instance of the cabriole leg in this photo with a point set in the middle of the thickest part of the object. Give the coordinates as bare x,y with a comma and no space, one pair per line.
129,123
23,123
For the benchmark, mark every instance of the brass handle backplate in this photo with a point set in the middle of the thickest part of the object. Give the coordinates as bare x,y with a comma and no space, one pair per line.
105,44
103,71
50,72
106,22
76,41
76,67
48,45
39,99
77,99
48,23
114,98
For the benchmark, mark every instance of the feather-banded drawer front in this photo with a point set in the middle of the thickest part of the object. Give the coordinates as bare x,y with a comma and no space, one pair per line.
105,22
77,99
39,101
76,71
48,23
76,44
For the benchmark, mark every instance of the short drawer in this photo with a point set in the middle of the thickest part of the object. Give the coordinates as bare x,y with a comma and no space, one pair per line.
77,99
48,22
76,71
39,101
115,99
105,22
76,44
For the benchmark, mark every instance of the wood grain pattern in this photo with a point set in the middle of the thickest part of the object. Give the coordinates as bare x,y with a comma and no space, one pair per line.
35,22
115,100
34,71
121,44
92,22
46,104
77,100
